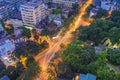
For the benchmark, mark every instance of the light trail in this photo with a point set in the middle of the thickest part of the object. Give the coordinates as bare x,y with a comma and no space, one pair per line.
47,55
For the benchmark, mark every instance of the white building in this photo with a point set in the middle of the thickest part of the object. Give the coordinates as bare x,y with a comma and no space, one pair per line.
67,3
107,4
32,13
6,48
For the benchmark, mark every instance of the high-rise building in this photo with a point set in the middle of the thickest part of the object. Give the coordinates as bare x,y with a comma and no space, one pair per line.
32,12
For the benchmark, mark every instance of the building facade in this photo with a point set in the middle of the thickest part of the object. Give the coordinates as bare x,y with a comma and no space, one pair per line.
3,12
67,3
32,13
6,48
10,8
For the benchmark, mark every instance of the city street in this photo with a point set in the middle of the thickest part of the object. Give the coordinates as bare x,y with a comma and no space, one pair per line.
45,56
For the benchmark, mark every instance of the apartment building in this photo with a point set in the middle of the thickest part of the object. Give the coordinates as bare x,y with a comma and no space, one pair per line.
67,3
9,8
3,12
32,13
6,48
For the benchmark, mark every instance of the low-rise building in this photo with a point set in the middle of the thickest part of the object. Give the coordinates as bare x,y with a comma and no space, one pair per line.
67,3
19,39
3,12
108,4
6,48
17,32
56,19
87,76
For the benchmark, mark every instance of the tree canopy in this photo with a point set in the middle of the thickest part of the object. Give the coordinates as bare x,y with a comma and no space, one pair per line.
78,55
114,56
102,13
99,30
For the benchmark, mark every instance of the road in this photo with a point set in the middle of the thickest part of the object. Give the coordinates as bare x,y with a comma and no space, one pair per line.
45,57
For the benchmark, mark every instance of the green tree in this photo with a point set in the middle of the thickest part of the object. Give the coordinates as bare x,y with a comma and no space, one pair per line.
75,8
26,32
10,29
97,31
32,70
11,72
114,35
115,17
57,11
2,22
64,71
20,50
33,47
2,68
89,9
105,73
45,32
78,55
114,56
102,13
19,68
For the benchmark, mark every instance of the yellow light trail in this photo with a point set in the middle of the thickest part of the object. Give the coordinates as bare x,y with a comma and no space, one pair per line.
47,55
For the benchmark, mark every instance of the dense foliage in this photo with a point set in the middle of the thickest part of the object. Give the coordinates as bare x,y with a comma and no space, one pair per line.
30,48
99,30
114,56
32,70
102,13
79,56
11,71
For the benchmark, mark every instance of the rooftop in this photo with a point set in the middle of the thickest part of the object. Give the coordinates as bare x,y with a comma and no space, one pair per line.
33,4
5,78
87,76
